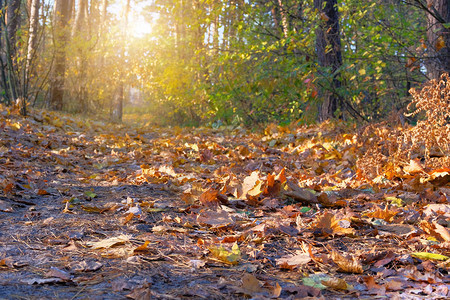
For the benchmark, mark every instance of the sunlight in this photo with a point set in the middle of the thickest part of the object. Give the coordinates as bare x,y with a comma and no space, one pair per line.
138,25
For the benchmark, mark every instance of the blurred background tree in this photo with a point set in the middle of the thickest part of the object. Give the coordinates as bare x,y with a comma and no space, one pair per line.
213,62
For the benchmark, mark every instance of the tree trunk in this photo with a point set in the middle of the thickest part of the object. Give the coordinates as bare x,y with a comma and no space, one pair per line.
79,35
120,93
328,48
438,38
13,23
61,13
284,22
32,34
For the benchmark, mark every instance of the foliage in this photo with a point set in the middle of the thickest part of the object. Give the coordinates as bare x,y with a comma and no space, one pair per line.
398,151
281,213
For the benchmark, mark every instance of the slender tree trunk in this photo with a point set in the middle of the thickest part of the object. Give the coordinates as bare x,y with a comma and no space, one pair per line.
32,34
79,35
328,48
61,13
284,22
438,38
13,23
120,93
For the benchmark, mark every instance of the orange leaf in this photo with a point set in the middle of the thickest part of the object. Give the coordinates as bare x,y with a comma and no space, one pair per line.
347,265
414,167
209,198
440,43
128,218
385,214
143,247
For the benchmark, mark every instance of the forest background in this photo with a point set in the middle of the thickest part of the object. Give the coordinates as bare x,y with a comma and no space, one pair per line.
214,62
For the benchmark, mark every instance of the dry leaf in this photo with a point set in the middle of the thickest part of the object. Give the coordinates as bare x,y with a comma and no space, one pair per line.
107,243
289,261
209,198
250,284
345,264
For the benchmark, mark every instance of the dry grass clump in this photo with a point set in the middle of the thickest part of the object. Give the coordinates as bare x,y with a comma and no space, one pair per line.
387,150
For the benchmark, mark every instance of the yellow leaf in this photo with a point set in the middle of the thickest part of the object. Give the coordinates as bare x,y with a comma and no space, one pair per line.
230,257
362,72
427,255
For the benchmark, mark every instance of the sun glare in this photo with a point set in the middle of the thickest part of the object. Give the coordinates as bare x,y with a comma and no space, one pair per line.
138,25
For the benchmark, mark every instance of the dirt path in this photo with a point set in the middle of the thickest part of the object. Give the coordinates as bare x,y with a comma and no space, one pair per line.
91,211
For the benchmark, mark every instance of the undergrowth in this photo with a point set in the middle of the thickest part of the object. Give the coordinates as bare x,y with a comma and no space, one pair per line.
388,149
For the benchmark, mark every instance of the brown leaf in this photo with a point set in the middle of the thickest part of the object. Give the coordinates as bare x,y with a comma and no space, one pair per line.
142,248
337,284
276,290
345,264
436,230
303,291
215,218
209,198
292,261
55,272
251,187
300,194
128,218
440,43
370,283
327,224
250,284
384,214
42,192
414,167
141,293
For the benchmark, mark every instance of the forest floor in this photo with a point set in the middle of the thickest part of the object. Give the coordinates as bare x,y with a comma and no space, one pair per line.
90,210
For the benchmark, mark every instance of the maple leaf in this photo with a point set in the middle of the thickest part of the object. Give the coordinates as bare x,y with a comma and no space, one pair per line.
327,224
345,264
252,186
230,257
293,261
384,214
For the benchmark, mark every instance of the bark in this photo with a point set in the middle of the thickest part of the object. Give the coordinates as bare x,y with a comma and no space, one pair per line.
275,11
284,22
438,38
119,96
80,18
328,48
13,23
79,35
32,33
61,14
104,10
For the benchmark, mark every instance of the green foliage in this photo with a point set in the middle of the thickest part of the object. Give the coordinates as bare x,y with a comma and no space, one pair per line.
238,62
258,72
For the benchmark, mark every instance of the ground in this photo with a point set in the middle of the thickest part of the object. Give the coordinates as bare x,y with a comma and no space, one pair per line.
91,210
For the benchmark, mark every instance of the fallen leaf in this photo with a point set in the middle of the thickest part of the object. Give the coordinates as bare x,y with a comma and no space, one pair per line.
345,264
300,194
210,198
215,218
337,284
427,255
55,272
289,261
111,242
141,293
327,224
230,257
250,284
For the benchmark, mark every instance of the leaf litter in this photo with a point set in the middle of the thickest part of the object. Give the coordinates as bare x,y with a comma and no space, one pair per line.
94,210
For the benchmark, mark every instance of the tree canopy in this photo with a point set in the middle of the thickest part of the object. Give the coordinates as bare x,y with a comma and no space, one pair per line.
222,62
